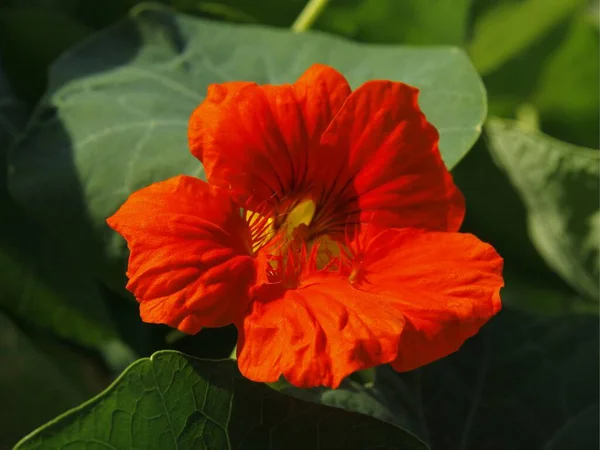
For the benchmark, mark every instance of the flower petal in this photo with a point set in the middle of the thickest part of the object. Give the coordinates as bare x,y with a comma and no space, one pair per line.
446,285
208,114
392,173
189,263
316,334
256,141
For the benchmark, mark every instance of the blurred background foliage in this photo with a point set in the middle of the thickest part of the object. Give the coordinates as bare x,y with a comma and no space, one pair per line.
528,381
529,52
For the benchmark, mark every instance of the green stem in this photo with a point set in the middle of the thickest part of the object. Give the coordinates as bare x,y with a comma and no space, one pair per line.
173,336
309,14
528,117
233,354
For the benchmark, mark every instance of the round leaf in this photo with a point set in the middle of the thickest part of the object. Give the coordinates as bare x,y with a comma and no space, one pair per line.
172,401
115,117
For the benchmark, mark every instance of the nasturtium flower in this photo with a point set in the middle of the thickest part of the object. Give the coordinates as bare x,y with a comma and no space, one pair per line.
327,232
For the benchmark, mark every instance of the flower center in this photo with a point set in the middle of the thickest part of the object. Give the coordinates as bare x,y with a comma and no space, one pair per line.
285,229
299,218
287,246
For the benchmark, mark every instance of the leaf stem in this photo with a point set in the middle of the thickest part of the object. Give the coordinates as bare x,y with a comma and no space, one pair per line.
308,15
528,117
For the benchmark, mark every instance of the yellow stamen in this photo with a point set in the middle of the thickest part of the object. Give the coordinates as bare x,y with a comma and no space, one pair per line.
295,225
288,239
262,227
302,214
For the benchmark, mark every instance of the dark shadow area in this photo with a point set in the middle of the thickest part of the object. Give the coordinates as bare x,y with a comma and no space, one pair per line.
44,178
515,385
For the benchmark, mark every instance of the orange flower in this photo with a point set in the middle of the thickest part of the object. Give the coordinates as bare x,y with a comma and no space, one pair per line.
327,233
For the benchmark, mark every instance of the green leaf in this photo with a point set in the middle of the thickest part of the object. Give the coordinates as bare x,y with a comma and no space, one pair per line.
390,397
13,115
510,27
515,82
559,184
32,387
401,394
268,12
514,384
581,432
115,118
559,77
41,286
40,283
174,401
215,10
568,93
531,285
353,396
418,22
592,13
505,224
